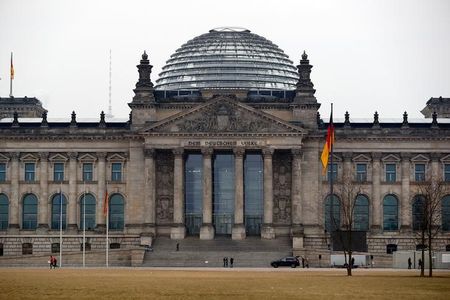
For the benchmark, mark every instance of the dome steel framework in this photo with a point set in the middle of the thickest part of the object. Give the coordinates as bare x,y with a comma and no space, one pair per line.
228,58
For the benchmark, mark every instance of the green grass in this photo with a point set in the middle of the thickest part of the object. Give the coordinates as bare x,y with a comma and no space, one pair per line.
226,284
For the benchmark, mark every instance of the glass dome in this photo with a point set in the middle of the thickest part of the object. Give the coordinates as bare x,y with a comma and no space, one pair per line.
228,58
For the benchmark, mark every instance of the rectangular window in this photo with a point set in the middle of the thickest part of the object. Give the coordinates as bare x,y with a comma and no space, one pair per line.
447,172
30,170
87,172
361,172
58,172
335,169
2,172
419,172
116,172
391,173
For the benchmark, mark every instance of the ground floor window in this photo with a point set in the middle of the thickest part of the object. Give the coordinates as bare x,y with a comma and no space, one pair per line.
87,245
391,248
55,247
114,246
27,248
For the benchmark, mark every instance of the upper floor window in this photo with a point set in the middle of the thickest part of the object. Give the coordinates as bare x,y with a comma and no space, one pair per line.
419,172
391,173
58,172
116,171
361,172
87,172
2,172
30,171
447,172
332,168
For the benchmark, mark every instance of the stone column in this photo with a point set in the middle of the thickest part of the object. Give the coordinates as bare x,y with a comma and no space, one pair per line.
72,205
43,199
150,196
376,203
238,232
101,189
178,230
347,174
207,230
14,201
405,201
267,230
297,229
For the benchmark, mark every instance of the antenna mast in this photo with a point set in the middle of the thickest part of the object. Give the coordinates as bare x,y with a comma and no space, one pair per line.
109,114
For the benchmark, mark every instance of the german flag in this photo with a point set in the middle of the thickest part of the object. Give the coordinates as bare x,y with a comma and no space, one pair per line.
328,144
12,67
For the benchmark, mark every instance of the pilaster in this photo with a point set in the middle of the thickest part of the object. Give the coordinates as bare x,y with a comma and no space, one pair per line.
72,207
43,207
207,230
238,232
376,193
178,231
149,203
267,230
14,202
405,203
101,189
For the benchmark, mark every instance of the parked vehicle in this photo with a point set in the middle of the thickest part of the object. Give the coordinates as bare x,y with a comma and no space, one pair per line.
288,261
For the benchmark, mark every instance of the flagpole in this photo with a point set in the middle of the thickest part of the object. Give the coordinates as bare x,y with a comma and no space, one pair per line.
60,225
107,225
11,76
331,169
84,224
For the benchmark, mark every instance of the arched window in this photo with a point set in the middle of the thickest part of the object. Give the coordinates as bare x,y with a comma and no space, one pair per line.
4,210
390,213
56,211
116,212
446,213
361,213
332,213
29,212
89,209
417,212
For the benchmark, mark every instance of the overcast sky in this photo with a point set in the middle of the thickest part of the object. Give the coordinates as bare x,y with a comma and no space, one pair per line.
388,56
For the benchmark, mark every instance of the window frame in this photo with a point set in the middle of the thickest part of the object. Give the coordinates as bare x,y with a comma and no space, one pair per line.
116,175
447,172
390,175
419,176
4,216
29,175
361,176
58,175
86,172
396,219
3,167
333,169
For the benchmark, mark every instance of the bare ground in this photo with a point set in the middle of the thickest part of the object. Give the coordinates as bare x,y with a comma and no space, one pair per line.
137,283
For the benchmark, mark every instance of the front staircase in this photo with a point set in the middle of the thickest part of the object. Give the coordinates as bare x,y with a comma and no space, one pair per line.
193,252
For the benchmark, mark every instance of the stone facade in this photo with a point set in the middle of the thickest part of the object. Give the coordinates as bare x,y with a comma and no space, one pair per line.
142,161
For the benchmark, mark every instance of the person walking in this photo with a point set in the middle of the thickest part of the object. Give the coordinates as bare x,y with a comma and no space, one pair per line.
231,262
50,261
224,259
178,246
55,262
409,263
226,262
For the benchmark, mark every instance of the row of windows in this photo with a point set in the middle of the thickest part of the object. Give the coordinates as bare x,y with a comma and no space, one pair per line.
390,213
27,248
390,172
58,212
58,172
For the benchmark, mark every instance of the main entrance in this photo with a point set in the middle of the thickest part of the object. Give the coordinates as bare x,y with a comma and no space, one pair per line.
223,193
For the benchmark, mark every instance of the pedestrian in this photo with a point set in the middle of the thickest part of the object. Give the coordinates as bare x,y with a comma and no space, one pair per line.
50,261
226,262
55,262
303,262
224,259
353,262
178,246
420,263
231,262
409,263
306,263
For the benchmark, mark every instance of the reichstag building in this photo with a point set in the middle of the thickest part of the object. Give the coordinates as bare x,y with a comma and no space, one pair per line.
225,143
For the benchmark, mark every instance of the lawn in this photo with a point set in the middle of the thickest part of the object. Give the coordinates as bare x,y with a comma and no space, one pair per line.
129,283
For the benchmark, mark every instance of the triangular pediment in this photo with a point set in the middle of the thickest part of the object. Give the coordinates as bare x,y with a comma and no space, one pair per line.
58,157
420,158
29,157
391,158
117,157
3,158
361,158
87,158
223,115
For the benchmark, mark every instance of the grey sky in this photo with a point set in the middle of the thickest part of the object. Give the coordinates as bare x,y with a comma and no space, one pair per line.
389,56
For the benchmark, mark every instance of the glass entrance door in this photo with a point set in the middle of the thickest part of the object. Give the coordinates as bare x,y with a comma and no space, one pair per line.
193,195
223,196
253,193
